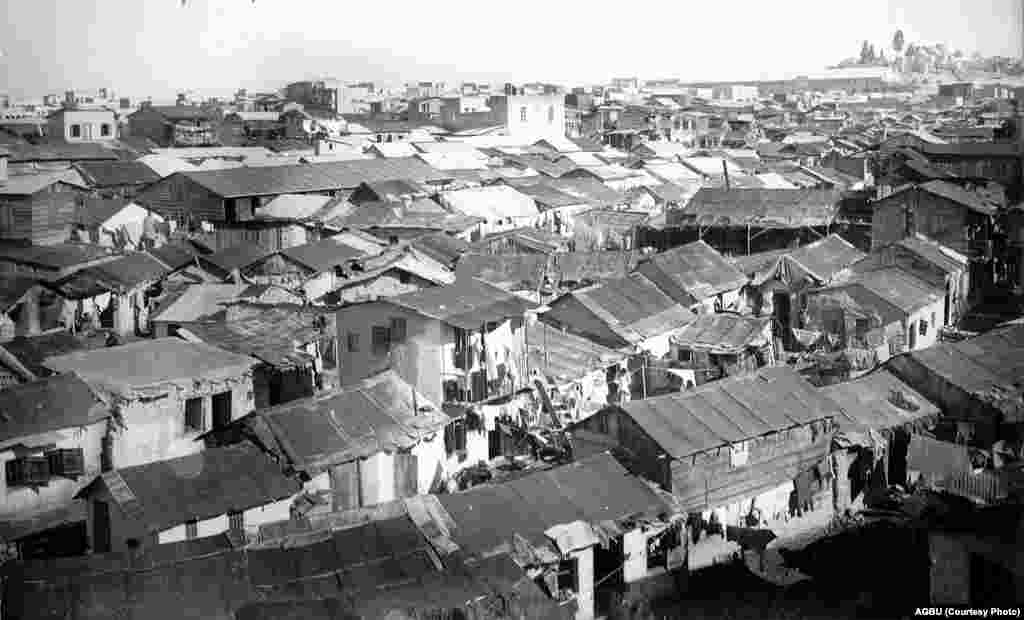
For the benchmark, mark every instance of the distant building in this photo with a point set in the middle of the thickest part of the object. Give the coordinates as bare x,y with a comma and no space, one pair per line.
178,125
83,125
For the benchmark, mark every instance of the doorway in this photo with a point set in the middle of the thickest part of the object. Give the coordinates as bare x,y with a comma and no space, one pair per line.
100,527
221,410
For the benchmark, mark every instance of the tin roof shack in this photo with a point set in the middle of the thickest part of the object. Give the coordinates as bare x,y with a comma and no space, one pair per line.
879,413
177,125
441,247
626,314
879,313
958,218
696,276
723,345
780,280
164,393
370,570
118,223
115,295
230,197
976,383
233,488
39,208
724,446
940,266
116,179
396,272
574,372
745,220
554,523
363,444
461,342
52,437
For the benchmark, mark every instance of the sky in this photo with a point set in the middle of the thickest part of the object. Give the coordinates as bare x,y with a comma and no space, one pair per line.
156,48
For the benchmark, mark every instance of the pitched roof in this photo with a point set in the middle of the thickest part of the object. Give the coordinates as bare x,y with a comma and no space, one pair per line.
381,413
210,483
292,207
174,255
36,181
548,197
468,303
723,333
269,336
959,195
116,173
299,178
988,367
48,404
692,272
591,490
764,208
826,257
512,271
441,246
117,276
93,212
150,363
59,256
59,151
632,307
868,402
935,253
236,257
898,287
322,255
165,165
198,302
592,191
730,410
492,203
34,350
563,357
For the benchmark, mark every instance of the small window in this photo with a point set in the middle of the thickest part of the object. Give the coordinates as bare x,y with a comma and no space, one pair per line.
381,340
68,463
522,114
194,415
685,355
923,327
28,471
353,342
104,129
398,327
567,575
191,529
236,522
76,131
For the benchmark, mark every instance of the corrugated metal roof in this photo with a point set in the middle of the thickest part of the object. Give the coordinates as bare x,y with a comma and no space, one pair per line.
269,337
592,490
174,255
116,173
237,257
548,197
32,351
692,272
563,357
825,258
764,208
322,255
117,276
492,203
441,246
28,184
49,404
632,307
149,363
989,366
724,333
59,256
730,410
200,486
899,288
330,176
355,421
867,402
935,253
468,303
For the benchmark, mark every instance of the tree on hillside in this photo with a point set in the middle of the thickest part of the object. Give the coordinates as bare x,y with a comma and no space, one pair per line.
897,41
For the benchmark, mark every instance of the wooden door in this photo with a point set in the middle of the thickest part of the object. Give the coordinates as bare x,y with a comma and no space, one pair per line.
100,526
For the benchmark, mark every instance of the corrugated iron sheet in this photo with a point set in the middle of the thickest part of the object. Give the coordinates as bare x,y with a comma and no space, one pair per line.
724,333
